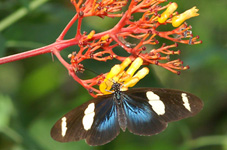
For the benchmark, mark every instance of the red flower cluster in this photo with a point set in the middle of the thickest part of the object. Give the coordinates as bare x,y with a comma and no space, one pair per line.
144,31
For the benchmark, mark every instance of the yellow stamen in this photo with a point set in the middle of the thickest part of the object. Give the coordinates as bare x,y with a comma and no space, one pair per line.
134,66
91,34
142,73
165,15
179,19
138,76
125,63
114,71
105,37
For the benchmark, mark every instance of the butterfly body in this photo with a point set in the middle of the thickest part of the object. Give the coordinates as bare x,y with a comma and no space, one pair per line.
143,111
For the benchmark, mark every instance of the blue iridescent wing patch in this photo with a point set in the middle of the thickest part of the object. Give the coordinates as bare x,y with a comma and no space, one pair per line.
141,120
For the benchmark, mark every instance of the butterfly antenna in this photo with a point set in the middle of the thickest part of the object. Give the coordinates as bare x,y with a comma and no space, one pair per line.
91,71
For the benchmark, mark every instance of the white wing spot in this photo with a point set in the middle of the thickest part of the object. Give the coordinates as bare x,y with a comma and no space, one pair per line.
63,126
186,102
88,118
157,105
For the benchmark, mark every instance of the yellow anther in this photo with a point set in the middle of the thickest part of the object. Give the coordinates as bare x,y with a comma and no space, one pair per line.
131,82
105,37
115,70
125,77
142,73
119,76
165,15
179,19
91,34
138,76
134,66
125,63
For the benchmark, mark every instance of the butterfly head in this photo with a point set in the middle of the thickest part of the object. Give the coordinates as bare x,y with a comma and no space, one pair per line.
116,86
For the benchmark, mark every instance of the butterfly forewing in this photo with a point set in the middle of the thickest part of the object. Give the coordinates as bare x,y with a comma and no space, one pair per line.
96,121
169,105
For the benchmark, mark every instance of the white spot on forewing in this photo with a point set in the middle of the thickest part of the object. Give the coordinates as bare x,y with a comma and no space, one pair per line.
157,105
88,118
186,102
63,126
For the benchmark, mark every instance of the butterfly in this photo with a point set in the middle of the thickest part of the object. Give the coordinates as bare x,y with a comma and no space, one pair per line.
143,111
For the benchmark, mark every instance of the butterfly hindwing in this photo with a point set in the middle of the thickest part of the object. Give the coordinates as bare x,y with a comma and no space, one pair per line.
141,120
148,110
96,121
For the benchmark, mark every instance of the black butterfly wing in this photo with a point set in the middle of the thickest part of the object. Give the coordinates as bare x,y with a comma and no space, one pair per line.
95,121
106,126
148,110
141,120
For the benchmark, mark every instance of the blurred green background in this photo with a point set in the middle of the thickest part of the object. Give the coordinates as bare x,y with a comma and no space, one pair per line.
36,92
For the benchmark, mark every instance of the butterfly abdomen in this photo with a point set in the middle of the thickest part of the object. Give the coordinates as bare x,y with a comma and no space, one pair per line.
122,120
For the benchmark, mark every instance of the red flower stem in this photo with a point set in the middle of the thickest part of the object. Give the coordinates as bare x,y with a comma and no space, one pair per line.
23,55
121,23
95,79
60,45
56,52
78,34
